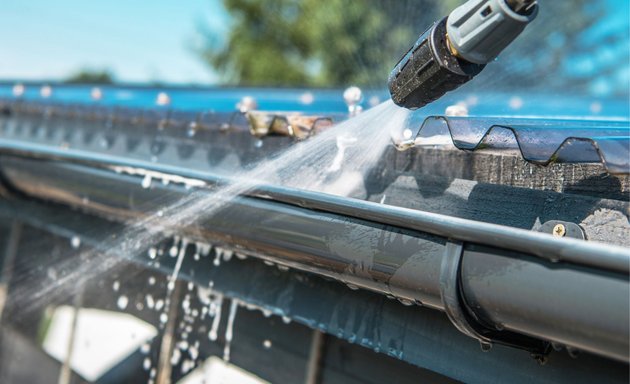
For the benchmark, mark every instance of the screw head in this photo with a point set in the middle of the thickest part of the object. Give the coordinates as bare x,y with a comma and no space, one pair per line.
559,230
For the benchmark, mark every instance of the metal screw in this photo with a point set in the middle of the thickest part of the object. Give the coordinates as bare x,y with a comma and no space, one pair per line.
559,230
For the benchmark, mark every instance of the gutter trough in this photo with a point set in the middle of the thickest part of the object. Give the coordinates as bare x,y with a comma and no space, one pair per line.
497,284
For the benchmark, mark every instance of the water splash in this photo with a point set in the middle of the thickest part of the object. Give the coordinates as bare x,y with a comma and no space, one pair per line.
335,161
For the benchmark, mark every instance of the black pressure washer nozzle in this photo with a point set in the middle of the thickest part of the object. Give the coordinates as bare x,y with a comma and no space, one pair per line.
457,48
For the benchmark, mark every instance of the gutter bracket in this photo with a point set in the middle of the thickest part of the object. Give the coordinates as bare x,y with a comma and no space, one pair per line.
467,321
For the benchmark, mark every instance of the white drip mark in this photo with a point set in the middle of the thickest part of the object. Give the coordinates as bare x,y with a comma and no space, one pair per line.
187,365
146,364
229,330
215,311
176,356
217,257
146,181
150,301
178,265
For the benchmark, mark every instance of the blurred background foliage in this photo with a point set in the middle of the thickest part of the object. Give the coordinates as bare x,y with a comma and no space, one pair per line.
91,76
341,42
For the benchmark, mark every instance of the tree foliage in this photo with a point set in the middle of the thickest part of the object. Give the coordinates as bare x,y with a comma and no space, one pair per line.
89,76
343,42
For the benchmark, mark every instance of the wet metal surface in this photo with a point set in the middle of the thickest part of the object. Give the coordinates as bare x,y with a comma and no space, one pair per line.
418,335
538,140
542,141
390,250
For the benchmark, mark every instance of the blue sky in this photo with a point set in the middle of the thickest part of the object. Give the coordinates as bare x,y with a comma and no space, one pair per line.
145,41
137,40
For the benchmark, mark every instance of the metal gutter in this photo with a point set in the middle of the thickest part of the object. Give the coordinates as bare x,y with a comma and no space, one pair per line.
506,276
417,335
608,257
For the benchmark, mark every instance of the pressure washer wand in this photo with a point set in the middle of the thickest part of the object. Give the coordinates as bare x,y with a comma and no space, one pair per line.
457,48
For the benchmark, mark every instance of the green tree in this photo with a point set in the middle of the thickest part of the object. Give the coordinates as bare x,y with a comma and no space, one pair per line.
90,76
307,42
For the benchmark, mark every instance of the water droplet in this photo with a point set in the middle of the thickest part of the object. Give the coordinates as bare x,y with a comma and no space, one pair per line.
516,102
152,253
160,213
75,242
146,364
286,319
193,351
192,129
45,91
96,94
406,302
485,346
159,304
307,98
146,181
151,280
183,345
18,90
176,356
174,250
352,286
150,301
116,286
122,302
162,99
145,348
187,365
163,318
267,344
